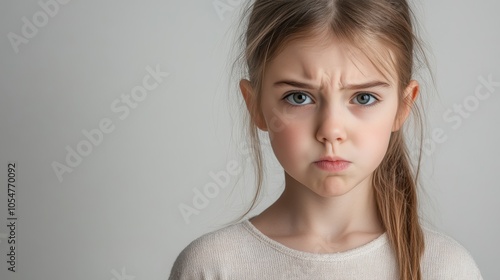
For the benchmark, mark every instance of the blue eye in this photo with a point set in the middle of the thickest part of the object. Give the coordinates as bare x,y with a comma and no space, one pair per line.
365,99
297,98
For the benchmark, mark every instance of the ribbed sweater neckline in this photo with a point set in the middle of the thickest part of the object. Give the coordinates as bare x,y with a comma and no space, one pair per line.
352,253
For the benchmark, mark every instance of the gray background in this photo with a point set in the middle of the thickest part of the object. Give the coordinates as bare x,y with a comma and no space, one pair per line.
117,213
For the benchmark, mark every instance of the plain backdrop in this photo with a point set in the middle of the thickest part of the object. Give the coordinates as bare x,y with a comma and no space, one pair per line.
76,67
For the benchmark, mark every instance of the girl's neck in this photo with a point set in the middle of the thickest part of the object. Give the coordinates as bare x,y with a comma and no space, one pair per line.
301,212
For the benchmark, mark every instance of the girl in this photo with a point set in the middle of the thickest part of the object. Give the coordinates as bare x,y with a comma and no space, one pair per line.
330,81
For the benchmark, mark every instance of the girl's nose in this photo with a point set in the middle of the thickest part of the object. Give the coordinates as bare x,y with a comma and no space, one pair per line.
331,125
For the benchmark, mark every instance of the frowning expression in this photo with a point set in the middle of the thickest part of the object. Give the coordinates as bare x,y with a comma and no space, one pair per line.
322,98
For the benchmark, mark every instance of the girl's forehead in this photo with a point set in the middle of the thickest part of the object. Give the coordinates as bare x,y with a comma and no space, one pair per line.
316,56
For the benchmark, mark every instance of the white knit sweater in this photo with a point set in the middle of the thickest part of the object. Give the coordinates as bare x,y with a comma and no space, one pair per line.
241,251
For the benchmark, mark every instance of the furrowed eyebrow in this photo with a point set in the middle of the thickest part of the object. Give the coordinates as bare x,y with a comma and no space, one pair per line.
371,84
294,84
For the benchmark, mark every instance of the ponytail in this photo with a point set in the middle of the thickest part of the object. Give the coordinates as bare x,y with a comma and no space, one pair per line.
396,197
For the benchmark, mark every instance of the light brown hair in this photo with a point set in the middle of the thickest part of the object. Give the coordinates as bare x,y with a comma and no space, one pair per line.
271,24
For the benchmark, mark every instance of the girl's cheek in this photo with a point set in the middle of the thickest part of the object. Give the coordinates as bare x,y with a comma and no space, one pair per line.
376,139
293,137
283,120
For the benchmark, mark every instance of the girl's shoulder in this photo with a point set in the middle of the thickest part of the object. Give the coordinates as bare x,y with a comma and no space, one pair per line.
444,255
209,252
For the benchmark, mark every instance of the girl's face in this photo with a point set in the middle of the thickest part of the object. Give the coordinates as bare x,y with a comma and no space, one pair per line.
320,99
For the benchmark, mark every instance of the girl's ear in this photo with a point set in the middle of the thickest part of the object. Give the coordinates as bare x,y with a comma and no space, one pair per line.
410,95
249,95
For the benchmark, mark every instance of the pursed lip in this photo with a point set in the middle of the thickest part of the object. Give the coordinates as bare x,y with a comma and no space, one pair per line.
332,164
331,158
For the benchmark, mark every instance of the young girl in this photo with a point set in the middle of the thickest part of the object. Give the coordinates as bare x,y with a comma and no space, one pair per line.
330,81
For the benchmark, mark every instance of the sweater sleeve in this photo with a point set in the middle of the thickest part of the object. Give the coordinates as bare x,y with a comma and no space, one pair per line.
445,258
193,263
